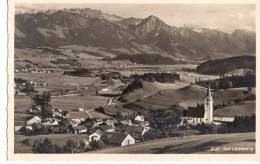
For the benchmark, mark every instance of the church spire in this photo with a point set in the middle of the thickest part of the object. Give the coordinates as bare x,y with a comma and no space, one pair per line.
208,92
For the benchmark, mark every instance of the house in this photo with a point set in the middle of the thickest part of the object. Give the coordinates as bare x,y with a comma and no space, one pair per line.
95,136
34,120
110,122
144,124
17,128
57,113
65,114
127,122
81,109
139,118
50,122
220,120
136,132
78,116
107,128
98,122
81,129
74,122
119,139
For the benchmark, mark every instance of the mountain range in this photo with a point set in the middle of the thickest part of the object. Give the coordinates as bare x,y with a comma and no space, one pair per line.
128,36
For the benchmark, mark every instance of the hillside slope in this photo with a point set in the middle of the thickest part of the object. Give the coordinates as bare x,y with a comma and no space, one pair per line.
222,66
184,97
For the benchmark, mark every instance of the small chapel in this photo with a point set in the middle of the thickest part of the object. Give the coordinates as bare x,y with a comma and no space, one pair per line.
198,115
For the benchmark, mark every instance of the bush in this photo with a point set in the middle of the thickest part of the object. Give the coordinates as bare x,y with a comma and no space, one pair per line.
45,147
97,144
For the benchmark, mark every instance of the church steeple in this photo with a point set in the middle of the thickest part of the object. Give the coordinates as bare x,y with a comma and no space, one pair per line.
208,92
208,107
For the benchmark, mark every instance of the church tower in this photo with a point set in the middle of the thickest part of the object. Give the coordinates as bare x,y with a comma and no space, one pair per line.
208,108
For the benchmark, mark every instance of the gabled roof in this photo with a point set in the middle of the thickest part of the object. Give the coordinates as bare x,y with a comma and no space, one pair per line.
134,129
116,138
99,132
106,127
224,119
81,127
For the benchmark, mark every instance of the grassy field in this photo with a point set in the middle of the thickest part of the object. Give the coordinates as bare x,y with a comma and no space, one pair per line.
57,80
186,96
150,88
245,108
222,143
23,144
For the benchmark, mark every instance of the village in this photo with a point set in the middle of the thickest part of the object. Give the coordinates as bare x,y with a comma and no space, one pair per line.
119,129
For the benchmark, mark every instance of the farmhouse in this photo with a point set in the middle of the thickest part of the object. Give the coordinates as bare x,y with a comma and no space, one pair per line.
95,136
78,116
119,139
107,128
139,118
81,129
34,120
136,132
220,120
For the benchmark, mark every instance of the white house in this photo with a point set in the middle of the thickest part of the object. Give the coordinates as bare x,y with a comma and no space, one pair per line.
81,129
95,136
139,118
220,120
50,122
34,120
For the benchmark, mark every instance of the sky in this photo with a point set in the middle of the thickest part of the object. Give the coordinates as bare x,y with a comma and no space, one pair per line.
224,17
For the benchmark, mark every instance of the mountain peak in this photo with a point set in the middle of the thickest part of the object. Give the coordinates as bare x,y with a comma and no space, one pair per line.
153,18
149,24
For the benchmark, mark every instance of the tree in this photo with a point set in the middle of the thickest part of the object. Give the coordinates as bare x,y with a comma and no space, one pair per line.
43,147
216,84
71,146
43,100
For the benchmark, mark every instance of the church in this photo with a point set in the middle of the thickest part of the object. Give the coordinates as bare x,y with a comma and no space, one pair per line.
198,115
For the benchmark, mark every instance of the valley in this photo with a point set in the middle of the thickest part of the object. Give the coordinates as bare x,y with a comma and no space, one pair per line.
91,82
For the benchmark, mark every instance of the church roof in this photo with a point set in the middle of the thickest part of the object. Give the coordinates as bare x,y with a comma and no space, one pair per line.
208,92
194,112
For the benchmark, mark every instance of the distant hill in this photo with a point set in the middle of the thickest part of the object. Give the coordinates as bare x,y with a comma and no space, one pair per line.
222,66
183,97
112,33
147,59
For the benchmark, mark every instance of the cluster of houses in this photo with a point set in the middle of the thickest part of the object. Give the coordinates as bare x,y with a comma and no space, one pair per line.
22,87
31,70
111,131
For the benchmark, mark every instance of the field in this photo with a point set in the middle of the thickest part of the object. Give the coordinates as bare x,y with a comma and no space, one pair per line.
150,88
189,95
245,108
23,144
57,80
201,144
